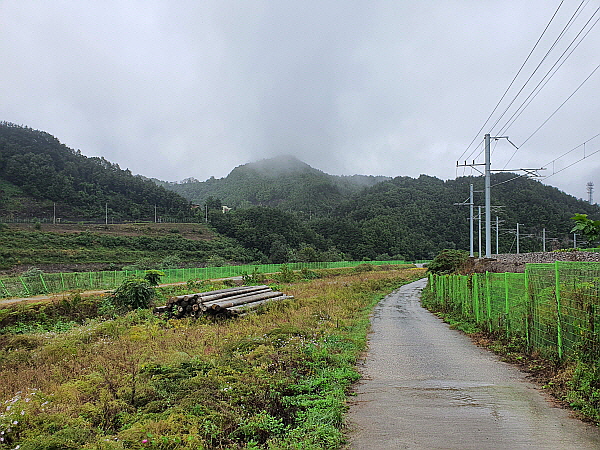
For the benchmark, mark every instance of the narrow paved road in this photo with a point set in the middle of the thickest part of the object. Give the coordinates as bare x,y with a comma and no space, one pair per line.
426,386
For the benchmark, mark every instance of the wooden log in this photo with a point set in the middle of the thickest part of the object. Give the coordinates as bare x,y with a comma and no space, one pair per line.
218,291
240,291
243,300
208,304
240,309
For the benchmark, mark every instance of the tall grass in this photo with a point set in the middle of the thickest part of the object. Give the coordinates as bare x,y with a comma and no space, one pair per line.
272,380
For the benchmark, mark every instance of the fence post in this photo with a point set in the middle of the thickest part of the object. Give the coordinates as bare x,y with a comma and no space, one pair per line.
475,291
529,308
44,284
558,308
506,304
24,285
488,300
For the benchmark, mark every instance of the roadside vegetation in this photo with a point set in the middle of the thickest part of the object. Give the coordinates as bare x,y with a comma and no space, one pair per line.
92,373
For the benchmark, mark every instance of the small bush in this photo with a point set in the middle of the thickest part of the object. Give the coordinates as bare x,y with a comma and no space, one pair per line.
448,261
134,293
286,275
308,274
253,278
153,277
364,268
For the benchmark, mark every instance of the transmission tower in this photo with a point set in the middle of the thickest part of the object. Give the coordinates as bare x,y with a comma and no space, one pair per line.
590,190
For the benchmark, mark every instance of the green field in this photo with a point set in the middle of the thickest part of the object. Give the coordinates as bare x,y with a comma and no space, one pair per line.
76,375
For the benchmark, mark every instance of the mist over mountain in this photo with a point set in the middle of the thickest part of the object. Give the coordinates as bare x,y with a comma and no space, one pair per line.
284,182
282,208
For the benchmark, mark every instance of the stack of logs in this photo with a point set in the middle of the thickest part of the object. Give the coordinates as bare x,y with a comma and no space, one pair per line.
231,302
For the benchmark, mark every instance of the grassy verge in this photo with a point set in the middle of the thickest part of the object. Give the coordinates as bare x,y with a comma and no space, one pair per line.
575,382
273,380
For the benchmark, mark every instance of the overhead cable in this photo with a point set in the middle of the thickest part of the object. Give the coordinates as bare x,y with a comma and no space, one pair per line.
512,82
551,115
556,41
550,73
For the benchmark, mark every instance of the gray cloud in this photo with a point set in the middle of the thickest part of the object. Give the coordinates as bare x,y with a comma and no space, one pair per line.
176,89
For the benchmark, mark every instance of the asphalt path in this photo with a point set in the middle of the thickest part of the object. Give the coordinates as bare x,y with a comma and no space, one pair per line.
426,386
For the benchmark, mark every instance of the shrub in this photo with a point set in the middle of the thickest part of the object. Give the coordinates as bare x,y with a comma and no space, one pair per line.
286,275
364,268
253,278
448,261
134,293
153,277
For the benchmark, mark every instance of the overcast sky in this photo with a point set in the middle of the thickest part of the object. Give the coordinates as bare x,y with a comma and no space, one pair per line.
186,88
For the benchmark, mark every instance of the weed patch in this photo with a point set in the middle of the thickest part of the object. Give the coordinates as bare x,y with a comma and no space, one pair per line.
277,379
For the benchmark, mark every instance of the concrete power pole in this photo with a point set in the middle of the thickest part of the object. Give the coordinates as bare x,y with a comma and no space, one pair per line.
487,189
544,240
488,201
471,249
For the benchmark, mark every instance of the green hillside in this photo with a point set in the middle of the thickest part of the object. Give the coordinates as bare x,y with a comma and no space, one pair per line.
283,209
416,218
283,182
37,171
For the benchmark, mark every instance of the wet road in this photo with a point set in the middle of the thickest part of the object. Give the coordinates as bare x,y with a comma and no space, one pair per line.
426,386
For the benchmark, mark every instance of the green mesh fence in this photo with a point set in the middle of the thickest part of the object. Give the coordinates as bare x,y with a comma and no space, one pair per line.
554,308
26,286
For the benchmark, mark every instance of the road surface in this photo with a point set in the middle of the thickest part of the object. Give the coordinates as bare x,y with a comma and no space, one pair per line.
426,386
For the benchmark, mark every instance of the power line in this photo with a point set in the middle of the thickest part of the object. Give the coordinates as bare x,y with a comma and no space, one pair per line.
549,74
512,82
551,115
572,150
556,41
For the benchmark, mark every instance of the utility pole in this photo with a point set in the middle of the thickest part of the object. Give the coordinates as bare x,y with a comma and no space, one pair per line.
106,214
487,185
497,228
471,219
544,240
471,206
488,204
517,238
479,240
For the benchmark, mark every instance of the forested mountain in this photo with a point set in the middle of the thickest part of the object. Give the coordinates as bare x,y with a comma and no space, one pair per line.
284,182
416,218
285,210
36,171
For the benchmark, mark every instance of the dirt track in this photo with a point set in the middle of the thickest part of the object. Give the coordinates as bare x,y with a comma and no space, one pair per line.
426,386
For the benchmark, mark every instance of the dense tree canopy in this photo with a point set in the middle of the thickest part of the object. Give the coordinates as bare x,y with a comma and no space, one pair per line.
283,209
42,168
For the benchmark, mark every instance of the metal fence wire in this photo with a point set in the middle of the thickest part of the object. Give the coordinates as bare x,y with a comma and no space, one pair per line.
45,283
554,308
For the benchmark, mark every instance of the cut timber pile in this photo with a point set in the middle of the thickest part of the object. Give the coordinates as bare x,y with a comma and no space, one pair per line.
229,302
